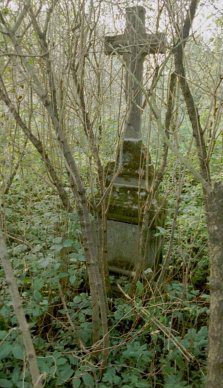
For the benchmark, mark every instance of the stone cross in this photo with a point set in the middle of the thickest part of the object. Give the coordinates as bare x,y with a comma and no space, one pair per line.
134,45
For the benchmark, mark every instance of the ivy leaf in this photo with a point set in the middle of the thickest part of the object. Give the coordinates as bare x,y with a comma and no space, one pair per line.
19,249
37,296
5,349
22,384
58,240
65,373
72,279
15,374
61,361
37,248
46,364
76,382
5,383
37,284
109,375
73,360
88,380
3,334
68,243
139,288
18,352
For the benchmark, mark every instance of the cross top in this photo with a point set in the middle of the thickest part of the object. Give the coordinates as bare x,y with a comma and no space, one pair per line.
134,45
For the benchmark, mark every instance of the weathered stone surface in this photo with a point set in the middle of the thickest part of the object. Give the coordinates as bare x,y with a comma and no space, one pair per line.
131,188
123,246
125,218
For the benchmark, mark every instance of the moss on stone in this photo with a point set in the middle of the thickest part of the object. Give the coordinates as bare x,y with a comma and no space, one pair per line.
127,200
125,204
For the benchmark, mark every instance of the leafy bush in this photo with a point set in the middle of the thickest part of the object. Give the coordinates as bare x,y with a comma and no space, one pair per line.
154,341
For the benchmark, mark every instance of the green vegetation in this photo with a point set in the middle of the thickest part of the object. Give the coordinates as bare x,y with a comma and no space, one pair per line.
64,113
155,340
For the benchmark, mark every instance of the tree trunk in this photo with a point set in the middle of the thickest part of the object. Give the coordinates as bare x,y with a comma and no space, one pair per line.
214,210
38,145
213,199
37,378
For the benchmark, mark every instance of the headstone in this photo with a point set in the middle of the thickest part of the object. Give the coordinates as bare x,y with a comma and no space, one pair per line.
131,186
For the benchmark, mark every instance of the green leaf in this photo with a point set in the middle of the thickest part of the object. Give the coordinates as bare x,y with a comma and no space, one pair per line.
116,379
67,243
5,349
161,231
5,383
77,299
61,361
109,375
148,270
80,257
15,374
139,288
19,249
72,279
22,384
65,373
37,296
37,284
47,365
37,248
3,334
5,11
18,351
176,382
88,380
58,240
76,382
73,360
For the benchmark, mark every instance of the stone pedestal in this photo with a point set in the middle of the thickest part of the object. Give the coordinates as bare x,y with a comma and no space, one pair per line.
123,246
125,216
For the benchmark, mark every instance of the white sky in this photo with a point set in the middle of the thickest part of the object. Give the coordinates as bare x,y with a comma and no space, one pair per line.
113,15
204,23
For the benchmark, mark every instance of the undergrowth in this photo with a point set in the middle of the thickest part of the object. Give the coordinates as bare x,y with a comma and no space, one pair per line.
156,340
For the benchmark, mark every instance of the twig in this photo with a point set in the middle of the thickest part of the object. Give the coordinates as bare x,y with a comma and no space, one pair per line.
163,328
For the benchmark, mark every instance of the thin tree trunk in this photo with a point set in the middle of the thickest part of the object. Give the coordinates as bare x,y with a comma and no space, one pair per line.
49,101
188,97
214,210
169,114
38,145
88,129
37,378
13,174
99,303
213,199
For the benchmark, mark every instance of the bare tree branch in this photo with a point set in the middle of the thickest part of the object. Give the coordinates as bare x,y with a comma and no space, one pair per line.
37,144
21,16
189,100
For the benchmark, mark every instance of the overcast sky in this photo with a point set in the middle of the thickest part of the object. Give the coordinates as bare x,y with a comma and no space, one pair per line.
113,15
204,23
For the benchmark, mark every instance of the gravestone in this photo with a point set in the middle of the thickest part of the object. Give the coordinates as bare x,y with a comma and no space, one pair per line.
131,187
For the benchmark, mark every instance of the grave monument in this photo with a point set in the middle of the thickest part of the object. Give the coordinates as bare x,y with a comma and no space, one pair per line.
131,187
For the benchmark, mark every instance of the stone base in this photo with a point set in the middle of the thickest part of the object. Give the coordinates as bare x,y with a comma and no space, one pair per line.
127,201
123,241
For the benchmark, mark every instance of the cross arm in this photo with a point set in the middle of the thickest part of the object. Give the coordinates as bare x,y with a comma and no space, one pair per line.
147,44
115,44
